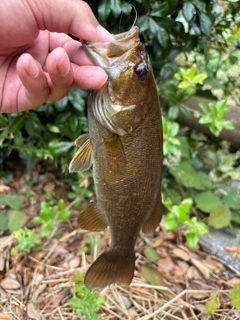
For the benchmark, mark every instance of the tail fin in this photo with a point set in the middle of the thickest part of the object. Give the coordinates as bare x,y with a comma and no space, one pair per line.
109,268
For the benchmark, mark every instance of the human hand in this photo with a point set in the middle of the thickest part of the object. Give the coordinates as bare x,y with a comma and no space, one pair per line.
38,60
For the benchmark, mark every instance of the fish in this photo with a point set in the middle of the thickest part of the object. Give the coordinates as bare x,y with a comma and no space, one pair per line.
124,146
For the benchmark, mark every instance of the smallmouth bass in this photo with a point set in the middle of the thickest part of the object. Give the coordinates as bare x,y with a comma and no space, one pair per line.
124,145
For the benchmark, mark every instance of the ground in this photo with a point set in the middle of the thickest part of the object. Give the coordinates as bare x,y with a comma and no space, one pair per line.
170,280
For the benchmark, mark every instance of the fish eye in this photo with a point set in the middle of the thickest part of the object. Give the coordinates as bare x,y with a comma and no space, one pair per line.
141,71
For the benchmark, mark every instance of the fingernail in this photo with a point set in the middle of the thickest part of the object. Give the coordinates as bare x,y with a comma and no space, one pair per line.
32,70
106,34
63,68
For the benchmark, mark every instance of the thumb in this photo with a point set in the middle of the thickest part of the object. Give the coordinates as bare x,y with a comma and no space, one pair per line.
71,16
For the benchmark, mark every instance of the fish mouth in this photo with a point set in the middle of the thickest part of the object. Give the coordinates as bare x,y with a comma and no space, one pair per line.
108,54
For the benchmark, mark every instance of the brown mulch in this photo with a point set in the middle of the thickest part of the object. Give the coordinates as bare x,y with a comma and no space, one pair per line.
38,286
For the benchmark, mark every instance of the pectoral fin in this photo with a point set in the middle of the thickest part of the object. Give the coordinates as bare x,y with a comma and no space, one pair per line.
83,158
92,219
155,218
81,139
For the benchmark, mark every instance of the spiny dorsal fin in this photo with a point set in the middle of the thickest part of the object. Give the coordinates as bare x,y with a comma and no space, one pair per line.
92,219
155,218
83,158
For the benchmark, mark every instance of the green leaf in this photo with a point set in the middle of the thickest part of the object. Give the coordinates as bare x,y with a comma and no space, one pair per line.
205,23
206,181
58,147
235,296
188,10
163,37
104,10
220,217
184,84
203,106
227,125
232,198
16,123
213,304
206,201
186,205
221,109
16,220
199,4
116,7
173,112
12,200
186,175
152,275
52,128
192,239
151,254
172,5
199,78
61,104
18,138
171,223
154,27
143,23
161,11
4,218
73,122
3,121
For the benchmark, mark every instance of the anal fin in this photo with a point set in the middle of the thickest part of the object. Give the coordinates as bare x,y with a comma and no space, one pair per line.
83,158
155,218
92,219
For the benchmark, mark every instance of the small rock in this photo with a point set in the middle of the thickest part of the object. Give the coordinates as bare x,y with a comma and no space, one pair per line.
127,302
216,241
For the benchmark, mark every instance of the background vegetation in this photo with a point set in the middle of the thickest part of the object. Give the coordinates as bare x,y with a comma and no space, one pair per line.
193,46
194,50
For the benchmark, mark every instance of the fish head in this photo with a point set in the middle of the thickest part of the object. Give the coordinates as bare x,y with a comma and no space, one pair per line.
130,78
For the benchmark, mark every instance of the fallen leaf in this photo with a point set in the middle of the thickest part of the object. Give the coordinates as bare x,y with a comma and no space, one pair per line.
152,275
201,268
162,253
181,268
38,291
10,283
234,250
192,273
233,281
165,265
213,265
74,263
200,295
179,253
33,312
74,246
56,299
5,316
